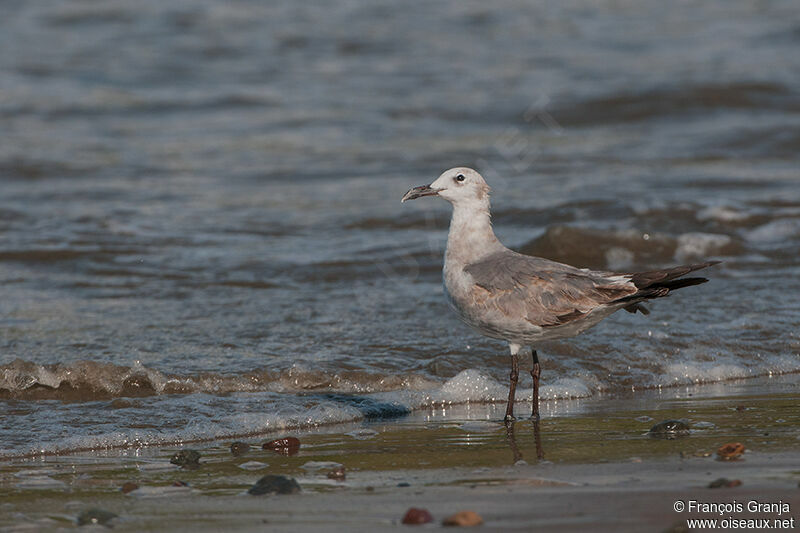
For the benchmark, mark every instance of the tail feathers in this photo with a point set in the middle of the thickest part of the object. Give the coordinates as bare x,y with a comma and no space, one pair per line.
658,283
662,289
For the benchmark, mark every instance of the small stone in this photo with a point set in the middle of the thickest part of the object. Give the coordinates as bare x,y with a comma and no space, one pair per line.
724,483
741,408
239,448
272,484
463,519
337,473
286,445
403,484
130,486
669,429
416,516
95,517
730,451
186,459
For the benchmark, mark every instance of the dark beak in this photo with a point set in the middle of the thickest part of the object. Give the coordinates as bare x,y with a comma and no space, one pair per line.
419,192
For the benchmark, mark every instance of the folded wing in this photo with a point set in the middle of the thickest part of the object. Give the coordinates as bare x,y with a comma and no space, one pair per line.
548,294
543,292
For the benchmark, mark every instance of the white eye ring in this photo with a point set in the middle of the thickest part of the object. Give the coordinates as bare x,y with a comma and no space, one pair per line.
460,178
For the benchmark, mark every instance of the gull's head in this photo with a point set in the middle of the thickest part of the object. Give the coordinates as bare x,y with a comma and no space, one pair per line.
461,186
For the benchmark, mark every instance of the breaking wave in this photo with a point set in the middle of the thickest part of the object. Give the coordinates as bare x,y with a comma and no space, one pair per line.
85,381
90,380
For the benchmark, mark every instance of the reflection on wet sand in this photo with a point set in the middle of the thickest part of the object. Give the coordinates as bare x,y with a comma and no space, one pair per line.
511,437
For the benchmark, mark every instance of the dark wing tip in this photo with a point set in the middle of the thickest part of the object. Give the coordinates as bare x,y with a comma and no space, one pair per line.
682,282
655,278
637,307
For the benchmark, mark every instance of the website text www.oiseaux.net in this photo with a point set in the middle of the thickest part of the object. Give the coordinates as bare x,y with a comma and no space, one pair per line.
781,510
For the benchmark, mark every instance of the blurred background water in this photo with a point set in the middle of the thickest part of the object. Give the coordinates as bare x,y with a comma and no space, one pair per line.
200,227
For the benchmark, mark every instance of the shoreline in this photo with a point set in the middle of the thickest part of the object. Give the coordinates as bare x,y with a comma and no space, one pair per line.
549,408
601,469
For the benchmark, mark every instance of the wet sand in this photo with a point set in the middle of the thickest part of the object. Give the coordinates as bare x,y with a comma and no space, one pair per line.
601,469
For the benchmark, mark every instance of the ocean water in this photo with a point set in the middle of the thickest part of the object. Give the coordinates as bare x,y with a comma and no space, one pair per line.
200,227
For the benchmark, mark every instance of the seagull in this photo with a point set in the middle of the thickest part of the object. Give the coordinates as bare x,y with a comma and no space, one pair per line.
523,299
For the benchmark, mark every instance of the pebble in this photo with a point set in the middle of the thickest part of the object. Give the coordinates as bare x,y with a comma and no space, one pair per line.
724,483
463,519
130,486
95,517
239,448
337,473
403,484
286,445
669,429
186,458
730,451
416,516
272,484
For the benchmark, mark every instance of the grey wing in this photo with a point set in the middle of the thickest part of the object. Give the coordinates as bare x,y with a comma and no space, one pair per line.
544,292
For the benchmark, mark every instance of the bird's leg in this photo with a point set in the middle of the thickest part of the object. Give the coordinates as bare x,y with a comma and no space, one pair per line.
536,371
512,388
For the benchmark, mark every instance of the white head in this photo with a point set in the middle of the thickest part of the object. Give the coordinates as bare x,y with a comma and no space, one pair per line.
461,186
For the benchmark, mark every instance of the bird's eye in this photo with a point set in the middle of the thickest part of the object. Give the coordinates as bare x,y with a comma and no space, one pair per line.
460,178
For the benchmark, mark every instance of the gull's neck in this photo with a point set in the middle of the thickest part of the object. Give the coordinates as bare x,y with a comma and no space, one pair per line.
471,237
